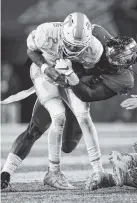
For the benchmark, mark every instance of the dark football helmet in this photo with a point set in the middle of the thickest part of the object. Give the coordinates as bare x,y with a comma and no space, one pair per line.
121,51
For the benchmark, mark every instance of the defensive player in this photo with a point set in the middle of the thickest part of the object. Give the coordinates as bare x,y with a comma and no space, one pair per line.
124,164
124,171
103,88
125,167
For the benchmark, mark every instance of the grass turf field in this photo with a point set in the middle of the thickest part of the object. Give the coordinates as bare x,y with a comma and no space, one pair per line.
26,183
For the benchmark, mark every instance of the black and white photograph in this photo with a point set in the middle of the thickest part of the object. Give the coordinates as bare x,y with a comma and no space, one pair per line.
68,101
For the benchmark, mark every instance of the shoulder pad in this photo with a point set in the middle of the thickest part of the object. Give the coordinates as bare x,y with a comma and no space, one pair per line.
44,32
101,33
31,41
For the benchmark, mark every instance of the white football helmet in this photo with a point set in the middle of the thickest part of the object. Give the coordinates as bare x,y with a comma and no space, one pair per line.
76,34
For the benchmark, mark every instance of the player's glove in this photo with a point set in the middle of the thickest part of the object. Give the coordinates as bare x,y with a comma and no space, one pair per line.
56,77
64,67
130,103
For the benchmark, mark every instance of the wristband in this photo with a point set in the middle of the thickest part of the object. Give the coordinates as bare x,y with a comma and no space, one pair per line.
44,67
68,73
73,79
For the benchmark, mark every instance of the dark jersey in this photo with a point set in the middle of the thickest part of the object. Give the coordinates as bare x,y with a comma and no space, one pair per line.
118,79
104,80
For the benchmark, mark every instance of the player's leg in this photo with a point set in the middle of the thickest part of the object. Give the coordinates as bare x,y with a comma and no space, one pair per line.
72,132
82,113
54,176
24,142
39,123
49,97
21,147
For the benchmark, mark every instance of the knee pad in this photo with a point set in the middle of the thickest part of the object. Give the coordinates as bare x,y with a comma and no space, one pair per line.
84,118
59,121
33,132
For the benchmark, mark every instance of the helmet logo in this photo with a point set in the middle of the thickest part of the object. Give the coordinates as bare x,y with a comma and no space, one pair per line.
69,22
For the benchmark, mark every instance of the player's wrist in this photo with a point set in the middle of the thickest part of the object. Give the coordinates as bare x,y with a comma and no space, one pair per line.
44,67
69,73
72,79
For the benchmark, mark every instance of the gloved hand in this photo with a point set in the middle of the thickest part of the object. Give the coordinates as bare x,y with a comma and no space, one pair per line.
64,67
55,77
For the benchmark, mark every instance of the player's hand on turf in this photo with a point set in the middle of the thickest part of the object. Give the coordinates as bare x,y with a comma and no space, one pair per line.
130,103
64,67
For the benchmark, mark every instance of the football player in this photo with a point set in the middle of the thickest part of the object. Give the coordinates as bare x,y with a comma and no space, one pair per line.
124,171
124,164
125,167
104,85
50,42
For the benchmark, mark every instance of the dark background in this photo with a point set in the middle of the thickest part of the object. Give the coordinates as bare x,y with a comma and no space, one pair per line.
19,17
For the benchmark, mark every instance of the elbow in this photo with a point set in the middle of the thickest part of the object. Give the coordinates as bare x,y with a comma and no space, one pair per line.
29,52
128,88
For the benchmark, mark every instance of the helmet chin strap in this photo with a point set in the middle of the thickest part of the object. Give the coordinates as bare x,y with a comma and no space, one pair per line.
70,54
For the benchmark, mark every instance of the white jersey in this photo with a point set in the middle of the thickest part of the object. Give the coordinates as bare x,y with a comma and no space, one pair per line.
46,38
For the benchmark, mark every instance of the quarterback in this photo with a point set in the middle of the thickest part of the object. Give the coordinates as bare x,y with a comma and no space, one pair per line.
89,82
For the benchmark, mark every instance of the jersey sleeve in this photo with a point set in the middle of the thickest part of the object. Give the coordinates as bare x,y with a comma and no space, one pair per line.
39,37
31,42
89,92
92,54
121,83
101,34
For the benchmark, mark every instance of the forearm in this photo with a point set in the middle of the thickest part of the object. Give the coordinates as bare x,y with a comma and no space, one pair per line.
97,92
83,92
88,91
50,71
36,57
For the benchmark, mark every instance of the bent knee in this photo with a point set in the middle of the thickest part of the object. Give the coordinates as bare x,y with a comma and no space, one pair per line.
59,120
33,132
84,118
68,146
